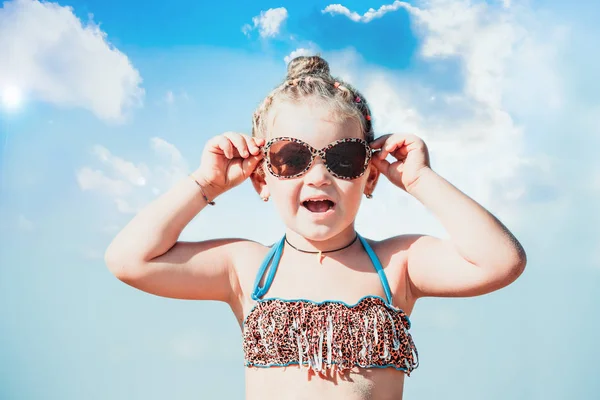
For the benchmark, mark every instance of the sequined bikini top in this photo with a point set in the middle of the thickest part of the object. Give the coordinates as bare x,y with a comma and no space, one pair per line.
326,335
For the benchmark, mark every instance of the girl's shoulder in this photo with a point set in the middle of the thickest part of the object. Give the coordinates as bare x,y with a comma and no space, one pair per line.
247,255
391,251
246,258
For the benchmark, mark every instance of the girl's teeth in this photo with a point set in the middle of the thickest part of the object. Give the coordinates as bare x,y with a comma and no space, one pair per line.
318,205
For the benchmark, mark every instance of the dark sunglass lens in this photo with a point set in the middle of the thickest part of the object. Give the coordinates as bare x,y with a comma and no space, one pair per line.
288,158
347,159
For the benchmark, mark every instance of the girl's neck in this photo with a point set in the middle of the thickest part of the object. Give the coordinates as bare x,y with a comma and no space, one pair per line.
339,241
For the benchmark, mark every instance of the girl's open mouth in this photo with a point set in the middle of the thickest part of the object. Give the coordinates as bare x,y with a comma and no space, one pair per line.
318,206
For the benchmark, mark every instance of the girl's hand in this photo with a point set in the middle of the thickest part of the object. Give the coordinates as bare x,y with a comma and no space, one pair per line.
411,154
227,160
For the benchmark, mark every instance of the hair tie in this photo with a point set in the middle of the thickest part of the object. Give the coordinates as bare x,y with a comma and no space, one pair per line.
368,117
357,99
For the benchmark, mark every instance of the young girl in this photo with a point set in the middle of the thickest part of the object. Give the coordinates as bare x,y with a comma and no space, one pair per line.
324,312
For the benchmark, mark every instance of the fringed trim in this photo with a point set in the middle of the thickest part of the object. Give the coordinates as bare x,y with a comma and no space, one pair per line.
329,335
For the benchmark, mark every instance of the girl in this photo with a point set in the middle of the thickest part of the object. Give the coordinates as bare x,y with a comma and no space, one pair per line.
335,322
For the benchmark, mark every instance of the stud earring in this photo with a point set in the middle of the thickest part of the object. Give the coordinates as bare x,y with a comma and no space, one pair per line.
265,199
368,195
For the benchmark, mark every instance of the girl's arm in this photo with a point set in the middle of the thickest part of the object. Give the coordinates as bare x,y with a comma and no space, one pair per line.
146,254
481,255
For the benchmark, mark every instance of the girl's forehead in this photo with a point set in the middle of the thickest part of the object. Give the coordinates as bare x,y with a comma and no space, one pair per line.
314,123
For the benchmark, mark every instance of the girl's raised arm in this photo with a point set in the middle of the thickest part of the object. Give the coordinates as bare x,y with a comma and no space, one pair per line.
147,255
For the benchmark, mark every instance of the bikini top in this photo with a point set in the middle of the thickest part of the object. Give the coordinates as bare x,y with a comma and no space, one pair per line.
326,335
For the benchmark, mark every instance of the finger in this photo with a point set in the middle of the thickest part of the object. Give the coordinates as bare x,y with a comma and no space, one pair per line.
251,144
387,147
379,142
382,165
226,146
239,143
383,153
392,145
259,141
398,149
249,164
387,150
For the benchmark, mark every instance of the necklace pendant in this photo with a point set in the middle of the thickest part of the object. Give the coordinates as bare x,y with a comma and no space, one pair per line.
320,255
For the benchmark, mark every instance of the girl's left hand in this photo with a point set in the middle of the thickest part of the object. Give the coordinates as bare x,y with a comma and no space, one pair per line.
411,154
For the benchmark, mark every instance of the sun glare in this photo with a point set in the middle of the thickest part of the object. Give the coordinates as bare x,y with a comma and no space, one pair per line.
12,97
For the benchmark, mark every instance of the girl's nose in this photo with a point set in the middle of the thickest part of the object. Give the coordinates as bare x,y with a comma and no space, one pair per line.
318,174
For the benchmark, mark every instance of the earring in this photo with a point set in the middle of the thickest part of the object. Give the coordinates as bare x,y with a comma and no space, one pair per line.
368,195
265,199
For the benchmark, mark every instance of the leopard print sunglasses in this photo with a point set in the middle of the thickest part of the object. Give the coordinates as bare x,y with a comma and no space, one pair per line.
288,157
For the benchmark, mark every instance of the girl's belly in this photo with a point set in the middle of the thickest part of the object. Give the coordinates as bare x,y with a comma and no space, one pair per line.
294,383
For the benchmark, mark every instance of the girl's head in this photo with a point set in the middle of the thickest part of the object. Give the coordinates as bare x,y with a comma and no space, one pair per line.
306,113
308,81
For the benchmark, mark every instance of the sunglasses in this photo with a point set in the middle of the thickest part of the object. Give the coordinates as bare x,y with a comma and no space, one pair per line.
288,157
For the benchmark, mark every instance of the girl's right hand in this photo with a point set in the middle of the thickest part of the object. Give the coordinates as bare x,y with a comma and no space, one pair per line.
227,160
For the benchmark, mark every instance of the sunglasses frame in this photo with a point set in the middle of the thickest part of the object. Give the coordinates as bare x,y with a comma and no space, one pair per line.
314,153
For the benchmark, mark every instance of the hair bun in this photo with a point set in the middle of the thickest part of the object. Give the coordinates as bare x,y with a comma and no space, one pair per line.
307,65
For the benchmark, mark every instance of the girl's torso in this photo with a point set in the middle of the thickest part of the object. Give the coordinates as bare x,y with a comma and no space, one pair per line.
350,277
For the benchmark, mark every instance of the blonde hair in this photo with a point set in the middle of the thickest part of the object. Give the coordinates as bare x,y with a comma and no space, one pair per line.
309,79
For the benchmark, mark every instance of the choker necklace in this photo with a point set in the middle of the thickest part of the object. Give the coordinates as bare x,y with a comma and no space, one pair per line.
320,253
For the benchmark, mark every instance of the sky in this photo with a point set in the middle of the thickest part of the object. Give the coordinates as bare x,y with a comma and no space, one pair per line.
104,105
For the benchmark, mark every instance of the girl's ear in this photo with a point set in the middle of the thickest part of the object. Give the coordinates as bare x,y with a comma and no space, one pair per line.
372,177
258,180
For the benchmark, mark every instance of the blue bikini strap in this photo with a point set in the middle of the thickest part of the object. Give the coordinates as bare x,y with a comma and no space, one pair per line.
275,254
378,268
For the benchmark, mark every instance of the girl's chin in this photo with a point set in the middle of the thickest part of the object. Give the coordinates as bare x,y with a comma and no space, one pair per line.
317,227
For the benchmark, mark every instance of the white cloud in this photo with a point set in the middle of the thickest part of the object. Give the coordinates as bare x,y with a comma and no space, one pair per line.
495,46
96,180
51,56
175,166
124,207
268,22
487,40
126,169
473,135
168,151
340,9
299,52
370,15
129,185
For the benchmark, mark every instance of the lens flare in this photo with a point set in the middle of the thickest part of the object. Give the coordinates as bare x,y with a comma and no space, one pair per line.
12,97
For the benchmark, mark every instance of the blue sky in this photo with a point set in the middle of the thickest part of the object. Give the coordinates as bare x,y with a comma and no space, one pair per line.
114,111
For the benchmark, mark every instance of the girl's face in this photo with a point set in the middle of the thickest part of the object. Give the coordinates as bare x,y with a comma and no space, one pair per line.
314,125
